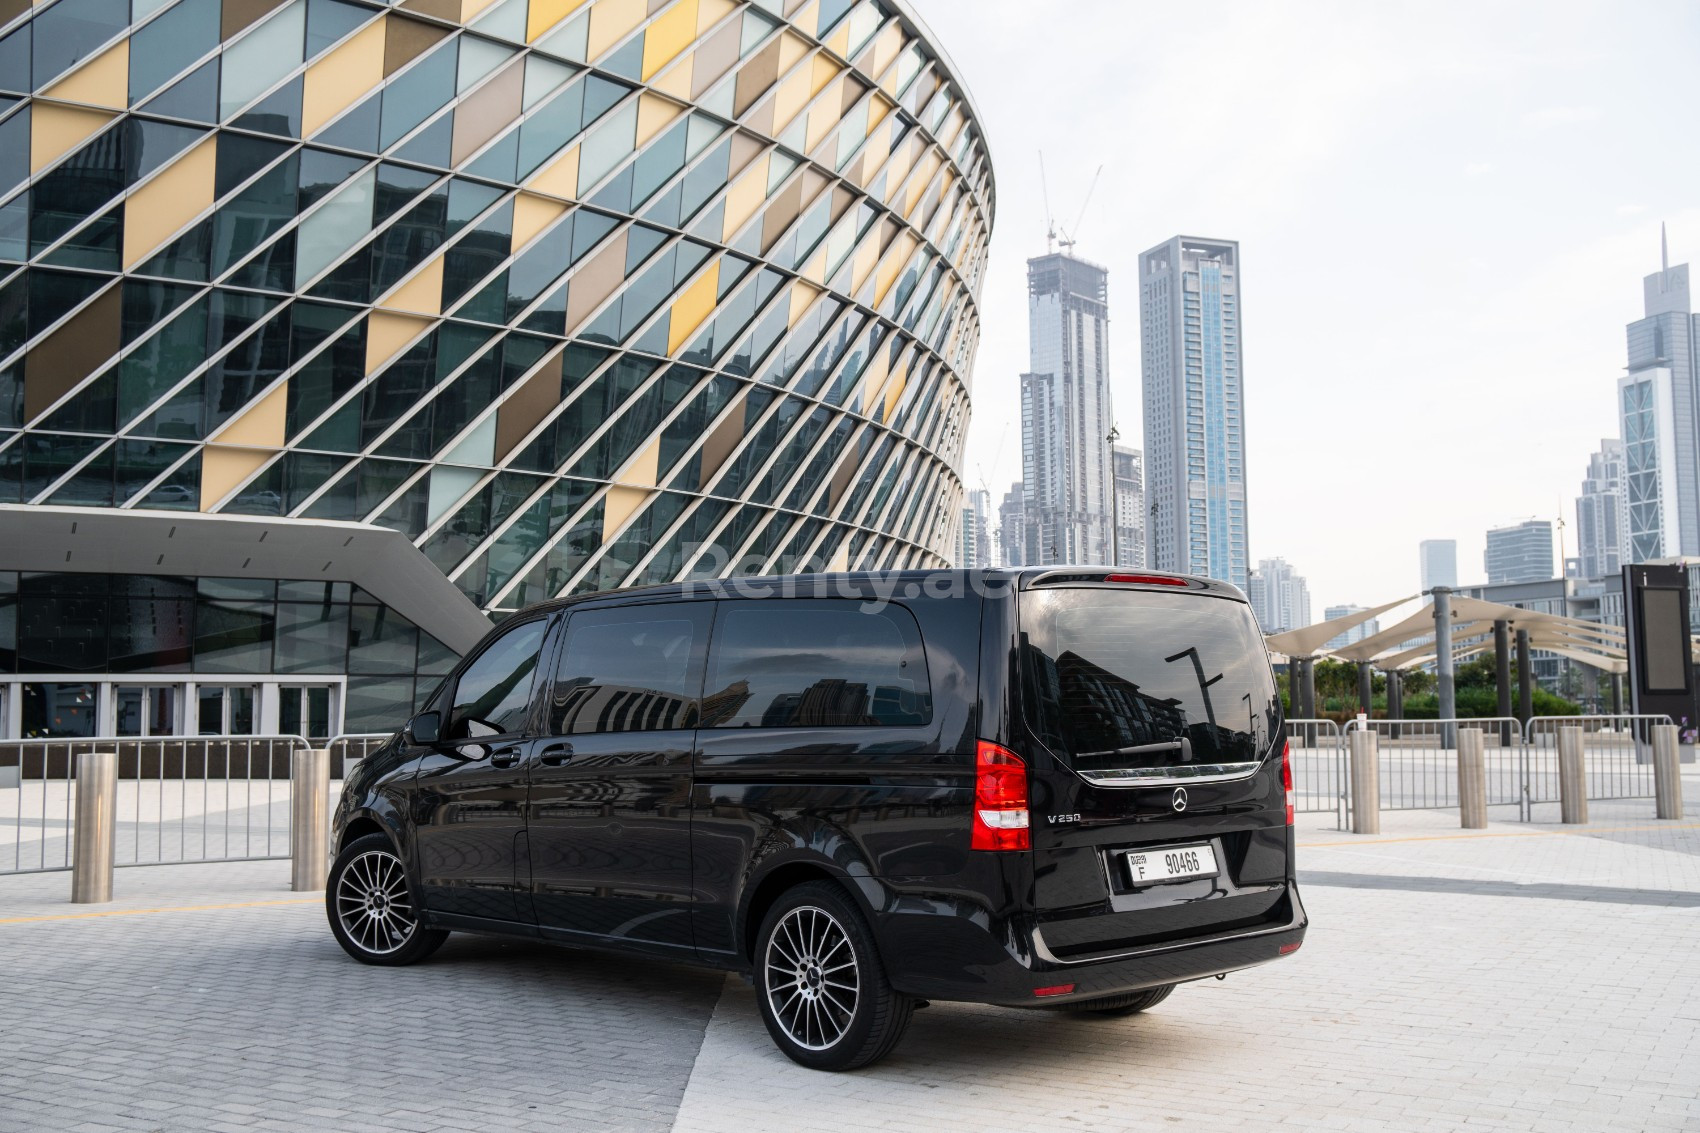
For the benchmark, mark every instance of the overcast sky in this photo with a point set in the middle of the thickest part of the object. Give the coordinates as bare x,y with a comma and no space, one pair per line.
1445,211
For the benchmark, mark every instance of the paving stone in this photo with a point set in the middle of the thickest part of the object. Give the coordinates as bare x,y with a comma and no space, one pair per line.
1526,977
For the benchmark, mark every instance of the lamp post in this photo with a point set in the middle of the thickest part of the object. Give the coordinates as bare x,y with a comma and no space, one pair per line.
1115,504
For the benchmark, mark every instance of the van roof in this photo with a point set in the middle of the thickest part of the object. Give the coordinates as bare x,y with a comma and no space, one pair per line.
912,583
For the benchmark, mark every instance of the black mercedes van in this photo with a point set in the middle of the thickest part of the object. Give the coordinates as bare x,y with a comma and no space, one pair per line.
1054,788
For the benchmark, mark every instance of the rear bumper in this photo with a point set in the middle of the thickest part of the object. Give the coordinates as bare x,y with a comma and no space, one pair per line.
968,957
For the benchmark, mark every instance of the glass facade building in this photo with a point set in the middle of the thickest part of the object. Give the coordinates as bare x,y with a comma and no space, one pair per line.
567,295
1520,552
1658,404
1066,414
1194,396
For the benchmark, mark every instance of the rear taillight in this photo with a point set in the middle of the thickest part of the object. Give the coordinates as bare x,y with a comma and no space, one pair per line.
1000,799
1287,777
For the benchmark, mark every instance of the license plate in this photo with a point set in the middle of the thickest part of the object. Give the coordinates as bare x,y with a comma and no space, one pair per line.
1171,863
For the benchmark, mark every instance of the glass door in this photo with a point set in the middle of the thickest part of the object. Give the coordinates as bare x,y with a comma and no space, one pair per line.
145,710
304,710
226,710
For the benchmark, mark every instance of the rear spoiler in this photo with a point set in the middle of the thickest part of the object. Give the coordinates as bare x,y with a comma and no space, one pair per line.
1119,577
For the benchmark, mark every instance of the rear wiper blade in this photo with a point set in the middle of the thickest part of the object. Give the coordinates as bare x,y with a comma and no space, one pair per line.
1183,744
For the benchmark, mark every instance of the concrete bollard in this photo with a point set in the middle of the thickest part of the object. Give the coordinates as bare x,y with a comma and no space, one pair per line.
1472,779
1572,778
309,823
1667,772
95,836
1366,783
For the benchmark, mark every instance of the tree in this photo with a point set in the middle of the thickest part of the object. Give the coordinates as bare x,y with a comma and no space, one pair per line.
1337,680
1480,672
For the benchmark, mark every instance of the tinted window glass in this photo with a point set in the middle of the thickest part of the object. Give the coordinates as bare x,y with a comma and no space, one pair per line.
629,670
805,663
1137,681
494,693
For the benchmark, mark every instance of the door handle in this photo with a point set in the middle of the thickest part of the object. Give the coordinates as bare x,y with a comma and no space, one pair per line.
504,757
556,754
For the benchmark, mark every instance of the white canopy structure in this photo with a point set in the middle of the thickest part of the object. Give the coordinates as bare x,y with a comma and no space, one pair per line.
1411,641
1308,640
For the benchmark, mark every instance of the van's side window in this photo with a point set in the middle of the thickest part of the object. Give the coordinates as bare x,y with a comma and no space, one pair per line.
785,662
630,669
494,693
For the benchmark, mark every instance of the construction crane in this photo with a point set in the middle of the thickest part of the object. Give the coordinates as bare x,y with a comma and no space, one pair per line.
1066,240
1061,237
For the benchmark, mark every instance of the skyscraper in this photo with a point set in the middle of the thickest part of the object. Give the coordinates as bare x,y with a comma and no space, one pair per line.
1012,527
1439,562
1194,408
1130,506
1354,635
1600,516
1521,552
974,541
1065,413
1279,596
1658,402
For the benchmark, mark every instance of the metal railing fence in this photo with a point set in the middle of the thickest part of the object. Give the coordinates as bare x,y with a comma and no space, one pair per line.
1617,756
351,747
179,799
1418,761
1318,757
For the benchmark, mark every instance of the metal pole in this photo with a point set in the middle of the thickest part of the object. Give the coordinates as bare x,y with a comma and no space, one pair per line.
309,828
1366,686
1310,700
1525,679
1472,780
1366,782
1395,700
1448,707
1667,773
1502,676
1572,779
97,827
1616,694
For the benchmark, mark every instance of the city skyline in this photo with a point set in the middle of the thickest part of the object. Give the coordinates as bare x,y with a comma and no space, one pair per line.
1482,183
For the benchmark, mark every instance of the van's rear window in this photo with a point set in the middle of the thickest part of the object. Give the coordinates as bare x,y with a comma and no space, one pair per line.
1138,681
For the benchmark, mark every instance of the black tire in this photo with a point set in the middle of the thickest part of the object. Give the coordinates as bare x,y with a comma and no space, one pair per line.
1116,1006
824,995
372,908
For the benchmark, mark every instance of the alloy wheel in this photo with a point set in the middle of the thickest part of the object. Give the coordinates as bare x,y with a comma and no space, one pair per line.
372,903
811,977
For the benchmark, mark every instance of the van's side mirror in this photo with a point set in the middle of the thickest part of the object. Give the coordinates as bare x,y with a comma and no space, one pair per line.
425,728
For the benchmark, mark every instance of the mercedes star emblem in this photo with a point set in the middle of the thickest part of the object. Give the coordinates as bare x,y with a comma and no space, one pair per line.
1180,798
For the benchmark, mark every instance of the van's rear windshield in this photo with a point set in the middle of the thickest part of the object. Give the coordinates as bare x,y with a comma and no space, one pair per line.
1147,684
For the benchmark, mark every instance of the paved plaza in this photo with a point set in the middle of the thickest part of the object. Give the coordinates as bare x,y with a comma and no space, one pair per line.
1523,977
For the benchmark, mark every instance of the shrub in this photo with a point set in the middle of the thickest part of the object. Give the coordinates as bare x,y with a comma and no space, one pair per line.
1478,703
